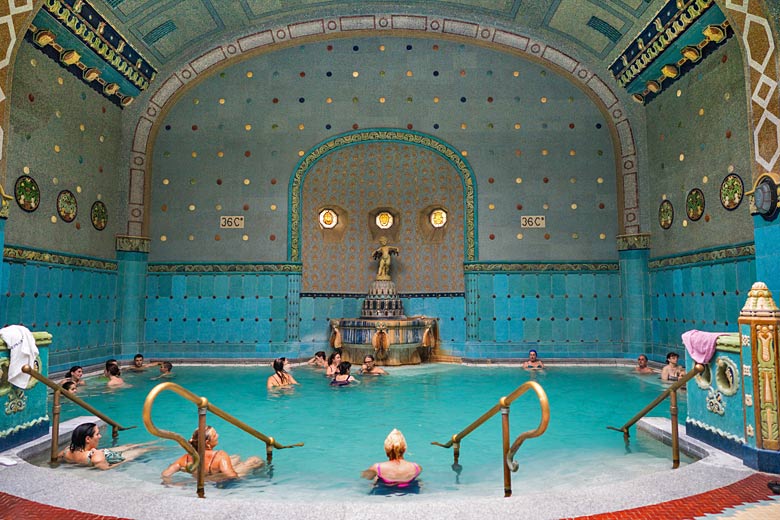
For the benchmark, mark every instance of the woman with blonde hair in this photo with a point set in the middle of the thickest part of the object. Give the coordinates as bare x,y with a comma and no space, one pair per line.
217,463
395,472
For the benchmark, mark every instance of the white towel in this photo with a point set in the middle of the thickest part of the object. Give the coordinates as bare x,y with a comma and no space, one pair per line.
23,351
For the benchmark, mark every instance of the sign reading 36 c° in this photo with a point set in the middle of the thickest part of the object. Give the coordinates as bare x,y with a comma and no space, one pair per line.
533,221
231,222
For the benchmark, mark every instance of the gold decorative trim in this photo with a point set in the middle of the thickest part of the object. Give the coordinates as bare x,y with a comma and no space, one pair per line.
526,267
708,256
133,244
332,145
637,241
28,255
225,268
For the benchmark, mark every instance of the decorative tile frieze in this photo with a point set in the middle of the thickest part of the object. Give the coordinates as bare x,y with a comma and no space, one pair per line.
705,256
132,244
226,268
533,267
19,254
636,241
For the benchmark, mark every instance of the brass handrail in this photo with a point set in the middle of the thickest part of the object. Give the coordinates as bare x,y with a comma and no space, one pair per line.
203,406
670,392
55,412
503,407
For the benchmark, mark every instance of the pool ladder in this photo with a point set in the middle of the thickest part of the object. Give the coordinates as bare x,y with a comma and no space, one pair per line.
203,405
508,452
670,392
55,410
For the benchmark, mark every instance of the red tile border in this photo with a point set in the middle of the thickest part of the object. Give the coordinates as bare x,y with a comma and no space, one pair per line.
16,508
752,489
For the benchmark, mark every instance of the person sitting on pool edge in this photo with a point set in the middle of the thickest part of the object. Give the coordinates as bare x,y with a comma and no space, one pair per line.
281,377
533,362
318,361
369,367
641,365
672,371
165,370
343,378
396,472
216,463
84,450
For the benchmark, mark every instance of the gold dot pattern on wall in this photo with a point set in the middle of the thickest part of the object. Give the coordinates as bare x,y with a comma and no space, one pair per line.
545,206
684,223
575,236
196,101
82,127
221,101
701,111
33,62
435,99
381,100
682,157
249,74
463,126
545,152
329,100
518,180
244,237
60,81
731,168
600,180
220,154
572,153
191,207
57,148
464,153
57,114
78,189
247,127
573,180
517,126
26,169
355,74
273,207
516,73
519,236
163,238
53,219
491,207
55,181
409,74
543,100
191,238
218,207
246,182
194,154
165,182
574,206
705,179
602,236
102,138
300,153
679,93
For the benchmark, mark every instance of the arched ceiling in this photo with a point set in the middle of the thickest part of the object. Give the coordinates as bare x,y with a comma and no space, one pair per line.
167,32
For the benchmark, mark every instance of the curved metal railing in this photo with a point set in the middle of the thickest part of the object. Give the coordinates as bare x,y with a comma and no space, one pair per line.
203,406
509,451
55,410
670,392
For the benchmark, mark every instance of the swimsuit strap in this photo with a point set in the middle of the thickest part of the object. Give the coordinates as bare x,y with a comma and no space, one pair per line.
89,455
379,470
212,461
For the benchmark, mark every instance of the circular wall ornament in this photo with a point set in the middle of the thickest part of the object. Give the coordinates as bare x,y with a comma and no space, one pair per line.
694,204
727,376
99,215
438,218
67,207
328,218
27,193
384,220
666,214
732,190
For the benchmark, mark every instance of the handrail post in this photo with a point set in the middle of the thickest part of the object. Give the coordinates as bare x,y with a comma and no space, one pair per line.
55,426
505,450
269,450
455,452
201,450
675,435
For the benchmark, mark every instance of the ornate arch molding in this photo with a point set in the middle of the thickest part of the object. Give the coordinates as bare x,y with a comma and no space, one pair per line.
383,135
762,70
416,25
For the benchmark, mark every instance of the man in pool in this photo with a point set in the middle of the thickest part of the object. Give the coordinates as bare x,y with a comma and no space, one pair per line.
369,367
641,365
138,363
533,363
165,370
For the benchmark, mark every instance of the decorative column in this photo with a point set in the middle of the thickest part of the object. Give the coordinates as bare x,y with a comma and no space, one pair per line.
132,254
634,253
293,306
472,309
759,329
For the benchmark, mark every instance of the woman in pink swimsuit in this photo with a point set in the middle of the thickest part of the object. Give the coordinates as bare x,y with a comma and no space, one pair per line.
396,472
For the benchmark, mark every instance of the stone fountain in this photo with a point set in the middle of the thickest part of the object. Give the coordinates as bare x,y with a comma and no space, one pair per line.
383,330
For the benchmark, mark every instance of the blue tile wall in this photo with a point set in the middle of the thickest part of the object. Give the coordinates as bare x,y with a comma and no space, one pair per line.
706,296
77,305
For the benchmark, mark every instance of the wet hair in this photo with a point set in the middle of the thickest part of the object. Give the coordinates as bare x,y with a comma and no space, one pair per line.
114,370
280,371
672,354
167,365
73,369
320,354
111,362
368,356
534,351
69,386
395,445
138,356
210,431
78,439
642,356
332,357
344,367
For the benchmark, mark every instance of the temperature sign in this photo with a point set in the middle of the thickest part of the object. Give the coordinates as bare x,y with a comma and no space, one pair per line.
533,222
231,222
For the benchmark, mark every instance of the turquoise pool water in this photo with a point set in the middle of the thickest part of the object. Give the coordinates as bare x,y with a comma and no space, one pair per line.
344,428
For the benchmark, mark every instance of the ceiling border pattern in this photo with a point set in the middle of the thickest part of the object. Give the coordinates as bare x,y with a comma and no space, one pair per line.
434,26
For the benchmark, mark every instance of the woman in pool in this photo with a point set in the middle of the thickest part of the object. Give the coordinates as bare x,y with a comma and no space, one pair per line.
343,378
84,450
333,364
281,377
217,463
534,363
396,472
75,374
115,377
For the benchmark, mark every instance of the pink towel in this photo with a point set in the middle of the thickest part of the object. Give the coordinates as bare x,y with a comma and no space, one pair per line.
700,345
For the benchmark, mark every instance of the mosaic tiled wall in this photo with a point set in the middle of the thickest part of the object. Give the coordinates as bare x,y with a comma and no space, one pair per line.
73,298
704,290
64,137
698,134
405,178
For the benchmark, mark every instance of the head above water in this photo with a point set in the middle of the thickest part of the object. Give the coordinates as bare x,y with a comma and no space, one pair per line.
369,359
344,367
672,357
81,434
642,360
320,354
75,370
532,354
138,360
334,358
166,366
279,364
113,370
210,437
395,445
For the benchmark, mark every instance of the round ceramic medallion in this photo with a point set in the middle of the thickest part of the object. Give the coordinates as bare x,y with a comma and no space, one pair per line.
67,207
27,193
731,191
666,214
694,204
99,215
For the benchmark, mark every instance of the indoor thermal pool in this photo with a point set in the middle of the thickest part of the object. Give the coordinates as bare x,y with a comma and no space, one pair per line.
344,428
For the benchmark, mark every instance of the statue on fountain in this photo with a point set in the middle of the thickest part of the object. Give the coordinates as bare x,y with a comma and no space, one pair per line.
382,253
